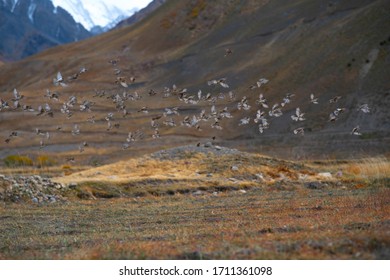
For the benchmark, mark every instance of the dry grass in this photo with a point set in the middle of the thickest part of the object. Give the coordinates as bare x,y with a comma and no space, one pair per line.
148,208
259,224
369,168
359,169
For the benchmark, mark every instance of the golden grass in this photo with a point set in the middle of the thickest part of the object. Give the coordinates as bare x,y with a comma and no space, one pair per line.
193,169
369,168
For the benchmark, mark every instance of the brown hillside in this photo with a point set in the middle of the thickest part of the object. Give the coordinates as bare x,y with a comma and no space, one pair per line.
326,48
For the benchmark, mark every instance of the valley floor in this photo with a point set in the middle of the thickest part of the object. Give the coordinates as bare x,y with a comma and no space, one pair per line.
259,223
199,203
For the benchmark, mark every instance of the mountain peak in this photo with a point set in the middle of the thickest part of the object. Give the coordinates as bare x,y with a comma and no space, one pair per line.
102,13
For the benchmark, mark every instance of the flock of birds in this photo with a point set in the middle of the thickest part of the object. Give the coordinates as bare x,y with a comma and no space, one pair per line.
207,104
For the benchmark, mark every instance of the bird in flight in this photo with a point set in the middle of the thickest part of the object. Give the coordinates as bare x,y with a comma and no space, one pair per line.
298,115
313,99
59,80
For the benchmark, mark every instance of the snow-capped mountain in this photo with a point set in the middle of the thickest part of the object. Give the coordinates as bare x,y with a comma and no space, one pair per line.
100,14
30,26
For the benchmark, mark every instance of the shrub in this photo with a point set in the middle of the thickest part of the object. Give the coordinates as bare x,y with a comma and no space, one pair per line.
44,160
17,160
67,169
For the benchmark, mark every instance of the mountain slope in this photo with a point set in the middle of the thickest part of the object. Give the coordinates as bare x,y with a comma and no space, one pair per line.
28,27
328,49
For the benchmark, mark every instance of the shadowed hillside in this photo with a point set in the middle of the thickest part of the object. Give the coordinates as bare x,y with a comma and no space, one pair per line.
328,48
28,27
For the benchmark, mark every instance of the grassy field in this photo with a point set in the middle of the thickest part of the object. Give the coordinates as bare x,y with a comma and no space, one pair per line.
158,209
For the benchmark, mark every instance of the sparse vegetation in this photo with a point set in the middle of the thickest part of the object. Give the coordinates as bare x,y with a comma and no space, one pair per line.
260,224
44,161
17,161
166,206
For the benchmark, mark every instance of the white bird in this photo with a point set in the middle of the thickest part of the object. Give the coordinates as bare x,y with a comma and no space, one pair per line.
52,95
313,99
364,108
338,111
262,101
332,117
59,80
170,111
17,95
216,125
144,110
41,144
200,95
76,130
27,108
244,121
232,95
221,82
334,99
243,104
224,113
71,101
259,83
356,131
299,130
169,122
86,106
263,125
156,134
287,99
109,117
38,131
298,115
259,116
3,104
91,119
275,111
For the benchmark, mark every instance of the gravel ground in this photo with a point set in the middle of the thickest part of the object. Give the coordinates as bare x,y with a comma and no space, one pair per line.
183,151
32,188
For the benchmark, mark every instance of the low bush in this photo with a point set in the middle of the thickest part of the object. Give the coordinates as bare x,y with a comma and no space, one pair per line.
17,160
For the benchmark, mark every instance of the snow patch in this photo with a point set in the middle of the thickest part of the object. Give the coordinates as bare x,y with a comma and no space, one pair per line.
31,11
92,13
14,3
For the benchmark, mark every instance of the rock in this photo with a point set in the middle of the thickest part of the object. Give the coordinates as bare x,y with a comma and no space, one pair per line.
34,188
313,185
234,180
234,168
325,175
208,145
197,193
260,176
72,185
